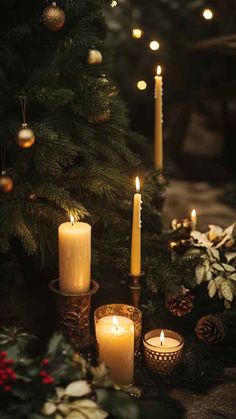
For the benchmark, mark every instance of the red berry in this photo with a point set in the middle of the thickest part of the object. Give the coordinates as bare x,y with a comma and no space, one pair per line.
43,374
3,354
7,388
9,361
9,371
45,361
4,376
1,382
13,376
48,380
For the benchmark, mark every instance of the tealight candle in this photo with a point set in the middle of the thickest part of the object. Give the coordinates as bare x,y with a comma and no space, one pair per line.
115,338
163,350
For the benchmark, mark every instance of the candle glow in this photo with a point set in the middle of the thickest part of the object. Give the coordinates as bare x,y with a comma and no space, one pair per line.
72,219
141,85
162,338
159,70
207,14
154,45
137,184
137,33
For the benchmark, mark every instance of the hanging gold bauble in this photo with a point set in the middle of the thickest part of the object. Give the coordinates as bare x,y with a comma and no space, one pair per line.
53,17
100,118
94,57
6,183
25,137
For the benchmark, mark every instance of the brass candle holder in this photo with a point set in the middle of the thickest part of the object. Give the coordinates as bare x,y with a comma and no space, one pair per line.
162,359
136,288
74,314
124,310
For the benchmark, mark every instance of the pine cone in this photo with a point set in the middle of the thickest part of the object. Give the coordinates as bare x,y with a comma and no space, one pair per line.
210,329
181,305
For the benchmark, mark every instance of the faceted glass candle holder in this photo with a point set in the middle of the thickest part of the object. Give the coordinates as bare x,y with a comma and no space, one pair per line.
124,310
162,359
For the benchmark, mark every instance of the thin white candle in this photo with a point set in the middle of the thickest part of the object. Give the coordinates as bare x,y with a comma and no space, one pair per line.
135,268
158,141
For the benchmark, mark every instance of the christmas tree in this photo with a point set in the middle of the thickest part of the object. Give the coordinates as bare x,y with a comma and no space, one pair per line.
81,160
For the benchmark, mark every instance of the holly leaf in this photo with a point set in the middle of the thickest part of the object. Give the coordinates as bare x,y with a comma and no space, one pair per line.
212,289
226,291
228,268
200,274
78,389
232,277
218,281
218,267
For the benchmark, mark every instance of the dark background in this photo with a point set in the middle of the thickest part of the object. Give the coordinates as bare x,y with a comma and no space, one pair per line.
199,80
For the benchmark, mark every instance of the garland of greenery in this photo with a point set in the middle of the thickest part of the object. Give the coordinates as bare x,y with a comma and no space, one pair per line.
192,291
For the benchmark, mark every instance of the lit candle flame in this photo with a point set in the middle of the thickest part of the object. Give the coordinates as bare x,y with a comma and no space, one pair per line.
137,183
193,214
158,70
72,219
115,322
162,338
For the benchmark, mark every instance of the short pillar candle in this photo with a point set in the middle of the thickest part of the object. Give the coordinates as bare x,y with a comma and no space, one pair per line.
115,338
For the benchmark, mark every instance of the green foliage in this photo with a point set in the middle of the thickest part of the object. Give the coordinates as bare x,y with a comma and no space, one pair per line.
75,164
75,386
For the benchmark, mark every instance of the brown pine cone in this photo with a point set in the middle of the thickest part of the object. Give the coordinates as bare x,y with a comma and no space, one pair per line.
210,329
181,305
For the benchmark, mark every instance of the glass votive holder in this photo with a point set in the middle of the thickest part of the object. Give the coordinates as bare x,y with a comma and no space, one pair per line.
162,357
124,310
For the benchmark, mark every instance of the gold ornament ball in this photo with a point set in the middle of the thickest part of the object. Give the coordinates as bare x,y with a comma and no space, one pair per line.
94,57
6,183
53,17
102,117
25,137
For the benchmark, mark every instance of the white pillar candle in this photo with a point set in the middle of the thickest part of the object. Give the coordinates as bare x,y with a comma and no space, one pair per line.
115,337
135,268
74,257
158,140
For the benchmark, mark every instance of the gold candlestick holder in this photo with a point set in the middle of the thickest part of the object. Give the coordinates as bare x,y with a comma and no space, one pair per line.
136,288
74,314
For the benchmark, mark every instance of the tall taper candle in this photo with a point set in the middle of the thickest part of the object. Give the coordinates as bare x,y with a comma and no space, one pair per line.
135,268
74,257
158,141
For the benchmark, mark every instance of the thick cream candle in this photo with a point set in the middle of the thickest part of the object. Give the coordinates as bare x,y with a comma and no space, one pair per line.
158,140
74,257
115,337
135,268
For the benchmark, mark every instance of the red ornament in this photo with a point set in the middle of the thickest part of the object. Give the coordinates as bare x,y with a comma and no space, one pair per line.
45,361
43,374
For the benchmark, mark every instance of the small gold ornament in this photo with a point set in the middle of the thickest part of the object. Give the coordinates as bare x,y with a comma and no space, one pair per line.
6,183
25,137
102,117
94,56
53,17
